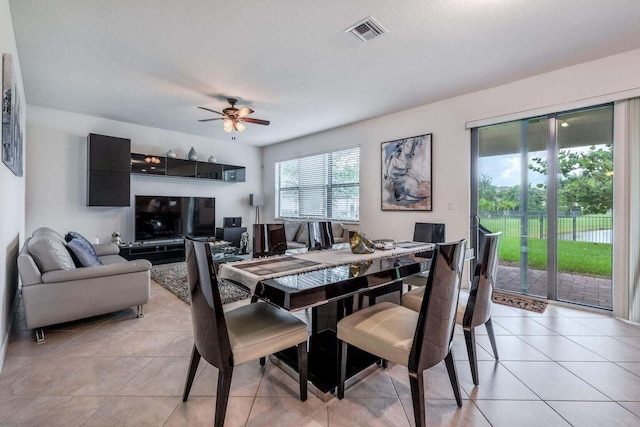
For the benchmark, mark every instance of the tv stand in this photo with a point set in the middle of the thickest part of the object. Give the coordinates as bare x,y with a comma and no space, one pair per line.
157,252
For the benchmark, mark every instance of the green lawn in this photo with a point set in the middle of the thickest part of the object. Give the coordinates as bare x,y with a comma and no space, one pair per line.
592,259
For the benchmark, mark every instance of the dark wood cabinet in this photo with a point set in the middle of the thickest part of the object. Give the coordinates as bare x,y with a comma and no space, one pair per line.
108,171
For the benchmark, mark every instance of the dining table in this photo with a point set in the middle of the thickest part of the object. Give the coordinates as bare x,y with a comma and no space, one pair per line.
325,283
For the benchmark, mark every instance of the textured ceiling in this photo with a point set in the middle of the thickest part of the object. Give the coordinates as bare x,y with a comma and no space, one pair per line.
152,62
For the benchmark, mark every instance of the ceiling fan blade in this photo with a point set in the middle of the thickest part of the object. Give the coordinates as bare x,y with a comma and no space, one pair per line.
244,112
213,111
256,121
208,120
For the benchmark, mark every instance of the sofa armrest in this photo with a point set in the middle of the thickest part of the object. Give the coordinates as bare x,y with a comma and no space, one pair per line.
106,249
99,271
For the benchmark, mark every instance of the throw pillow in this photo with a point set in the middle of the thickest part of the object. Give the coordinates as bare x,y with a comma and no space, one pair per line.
50,254
303,234
290,230
75,235
83,253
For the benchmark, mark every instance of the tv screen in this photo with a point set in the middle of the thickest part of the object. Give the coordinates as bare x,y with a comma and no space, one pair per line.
162,217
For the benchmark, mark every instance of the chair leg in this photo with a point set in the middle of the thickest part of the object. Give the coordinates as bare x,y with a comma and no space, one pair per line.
384,363
416,381
342,352
222,395
193,367
263,361
140,311
302,369
470,340
492,337
450,363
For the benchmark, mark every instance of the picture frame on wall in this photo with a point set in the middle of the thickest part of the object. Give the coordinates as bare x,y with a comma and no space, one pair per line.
12,133
406,174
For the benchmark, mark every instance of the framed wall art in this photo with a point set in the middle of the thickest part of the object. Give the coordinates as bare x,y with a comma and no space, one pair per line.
406,174
12,134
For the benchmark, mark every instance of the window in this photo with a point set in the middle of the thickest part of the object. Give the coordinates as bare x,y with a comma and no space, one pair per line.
322,186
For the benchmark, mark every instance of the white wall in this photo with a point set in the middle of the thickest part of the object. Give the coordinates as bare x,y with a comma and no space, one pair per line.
451,141
56,185
12,191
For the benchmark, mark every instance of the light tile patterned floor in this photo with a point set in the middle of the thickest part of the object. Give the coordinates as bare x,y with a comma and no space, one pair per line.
563,367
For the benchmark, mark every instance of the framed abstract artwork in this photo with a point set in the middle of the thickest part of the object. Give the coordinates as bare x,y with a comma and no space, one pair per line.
12,134
406,174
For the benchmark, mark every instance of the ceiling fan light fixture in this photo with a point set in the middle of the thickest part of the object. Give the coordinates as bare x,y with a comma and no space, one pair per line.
239,126
244,112
227,124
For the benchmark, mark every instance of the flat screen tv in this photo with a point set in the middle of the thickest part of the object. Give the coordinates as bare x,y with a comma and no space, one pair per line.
164,218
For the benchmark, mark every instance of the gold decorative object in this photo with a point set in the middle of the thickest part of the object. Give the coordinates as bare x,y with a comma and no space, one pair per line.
361,243
359,268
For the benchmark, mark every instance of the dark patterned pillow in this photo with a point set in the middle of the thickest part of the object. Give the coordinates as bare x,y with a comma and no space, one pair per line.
75,235
83,253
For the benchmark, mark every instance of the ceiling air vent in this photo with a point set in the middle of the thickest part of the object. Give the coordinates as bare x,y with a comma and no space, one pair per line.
366,29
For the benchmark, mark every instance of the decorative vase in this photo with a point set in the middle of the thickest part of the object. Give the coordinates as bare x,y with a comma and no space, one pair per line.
192,155
361,243
171,154
211,159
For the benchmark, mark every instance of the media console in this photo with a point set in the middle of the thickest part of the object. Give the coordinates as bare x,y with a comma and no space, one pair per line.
155,252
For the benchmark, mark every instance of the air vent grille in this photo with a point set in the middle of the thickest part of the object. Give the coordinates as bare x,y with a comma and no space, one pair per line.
366,29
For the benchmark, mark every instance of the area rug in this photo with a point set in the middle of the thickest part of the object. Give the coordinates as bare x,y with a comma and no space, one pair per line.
519,301
174,279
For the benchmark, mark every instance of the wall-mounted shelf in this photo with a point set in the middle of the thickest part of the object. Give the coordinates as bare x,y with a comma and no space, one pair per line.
143,164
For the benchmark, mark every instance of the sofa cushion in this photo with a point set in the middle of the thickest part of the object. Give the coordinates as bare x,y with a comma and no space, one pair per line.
47,232
83,253
49,254
291,230
303,234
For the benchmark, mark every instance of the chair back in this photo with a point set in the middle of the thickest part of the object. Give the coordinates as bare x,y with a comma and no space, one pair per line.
478,309
269,239
210,334
320,235
428,232
436,320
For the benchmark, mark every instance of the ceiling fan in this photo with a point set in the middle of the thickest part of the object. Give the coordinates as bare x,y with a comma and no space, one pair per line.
233,118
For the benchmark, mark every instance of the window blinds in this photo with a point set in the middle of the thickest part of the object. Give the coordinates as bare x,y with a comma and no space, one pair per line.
322,186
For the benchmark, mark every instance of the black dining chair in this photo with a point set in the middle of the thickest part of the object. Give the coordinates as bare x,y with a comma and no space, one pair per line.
474,307
426,232
226,340
320,235
417,340
268,240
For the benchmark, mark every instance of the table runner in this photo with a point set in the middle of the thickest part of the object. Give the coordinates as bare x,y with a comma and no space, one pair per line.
315,260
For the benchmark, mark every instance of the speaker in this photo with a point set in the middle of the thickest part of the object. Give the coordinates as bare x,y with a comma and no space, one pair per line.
256,199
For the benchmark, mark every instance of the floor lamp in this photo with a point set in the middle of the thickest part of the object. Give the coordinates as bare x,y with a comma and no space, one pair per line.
256,200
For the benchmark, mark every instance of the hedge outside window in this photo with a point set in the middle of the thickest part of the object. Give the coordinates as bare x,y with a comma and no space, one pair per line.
323,186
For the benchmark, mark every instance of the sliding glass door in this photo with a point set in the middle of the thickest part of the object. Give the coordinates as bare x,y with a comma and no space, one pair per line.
546,183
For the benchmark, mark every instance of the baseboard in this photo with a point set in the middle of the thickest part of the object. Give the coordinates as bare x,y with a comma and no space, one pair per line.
7,335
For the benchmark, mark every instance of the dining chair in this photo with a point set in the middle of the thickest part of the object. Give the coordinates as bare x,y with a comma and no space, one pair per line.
320,235
417,340
269,239
426,232
226,340
474,307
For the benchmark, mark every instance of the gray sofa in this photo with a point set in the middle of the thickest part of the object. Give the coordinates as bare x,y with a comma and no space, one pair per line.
54,290
297,234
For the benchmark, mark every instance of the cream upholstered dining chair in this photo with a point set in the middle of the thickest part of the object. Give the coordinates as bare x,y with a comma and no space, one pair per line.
417,340
427,232
226,340
320,235
269,239
474,308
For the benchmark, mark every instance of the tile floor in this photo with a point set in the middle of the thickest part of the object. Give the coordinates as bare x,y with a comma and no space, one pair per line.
563,367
